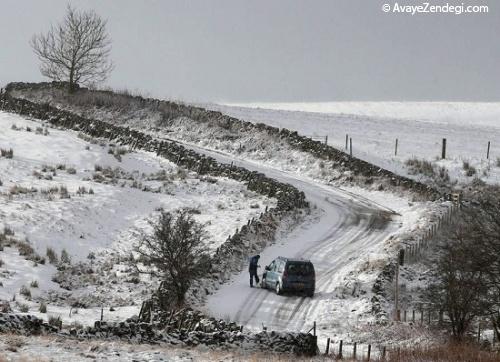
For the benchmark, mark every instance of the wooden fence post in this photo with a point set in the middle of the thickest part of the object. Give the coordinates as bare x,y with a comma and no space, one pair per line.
488,151
354,350
369,351
340,349
326,139
346,141
102,313
314,328
383,353
479,332
396,148
443,149
413,316
350,147
327,346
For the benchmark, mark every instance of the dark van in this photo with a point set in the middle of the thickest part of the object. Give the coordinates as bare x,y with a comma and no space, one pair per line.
294,275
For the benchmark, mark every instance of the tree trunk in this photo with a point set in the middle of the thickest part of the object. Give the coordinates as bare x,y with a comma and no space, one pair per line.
71,88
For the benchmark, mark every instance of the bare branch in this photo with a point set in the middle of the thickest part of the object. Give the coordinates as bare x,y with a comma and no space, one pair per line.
76,50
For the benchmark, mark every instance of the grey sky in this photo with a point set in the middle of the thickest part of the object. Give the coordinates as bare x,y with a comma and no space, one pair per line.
270,50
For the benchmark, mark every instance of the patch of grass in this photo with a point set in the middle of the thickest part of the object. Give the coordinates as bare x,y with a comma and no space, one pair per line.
25,291
13,343
55,321
81,191
26,250
7,153
16,190
445,353
65,258
52,255
8,231
63,192
420,166
42,308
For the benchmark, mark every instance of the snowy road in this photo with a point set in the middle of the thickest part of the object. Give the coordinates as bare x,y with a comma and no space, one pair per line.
348,230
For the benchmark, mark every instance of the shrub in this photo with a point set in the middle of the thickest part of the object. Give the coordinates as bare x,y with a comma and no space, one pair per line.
42,308
55,321
34,284
7,153
25,291
81,190
97,168
71,170
61,166
65,258
8,231
469,170
25,249
52,255
63,192
15,190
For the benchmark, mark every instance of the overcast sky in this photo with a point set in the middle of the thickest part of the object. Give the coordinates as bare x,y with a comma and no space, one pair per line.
271,50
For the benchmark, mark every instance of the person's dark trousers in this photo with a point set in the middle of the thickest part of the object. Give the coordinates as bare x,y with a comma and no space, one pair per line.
253,274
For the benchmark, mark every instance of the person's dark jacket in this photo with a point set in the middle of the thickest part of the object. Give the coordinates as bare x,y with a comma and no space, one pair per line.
254,263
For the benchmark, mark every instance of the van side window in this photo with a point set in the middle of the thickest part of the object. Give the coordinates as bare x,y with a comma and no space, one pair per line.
272,266
281,266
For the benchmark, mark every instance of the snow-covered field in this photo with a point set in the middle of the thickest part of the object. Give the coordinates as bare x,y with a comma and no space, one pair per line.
66,192
348,236
375,126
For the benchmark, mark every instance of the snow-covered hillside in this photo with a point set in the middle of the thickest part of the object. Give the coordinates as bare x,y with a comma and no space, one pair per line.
375,126
92,200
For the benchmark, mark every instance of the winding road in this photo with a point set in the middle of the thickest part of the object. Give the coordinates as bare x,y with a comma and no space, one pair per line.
342,232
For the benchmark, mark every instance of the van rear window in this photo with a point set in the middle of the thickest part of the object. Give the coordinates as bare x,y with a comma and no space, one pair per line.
299,268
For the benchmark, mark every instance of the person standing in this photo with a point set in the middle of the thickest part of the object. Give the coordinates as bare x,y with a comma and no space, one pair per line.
252,269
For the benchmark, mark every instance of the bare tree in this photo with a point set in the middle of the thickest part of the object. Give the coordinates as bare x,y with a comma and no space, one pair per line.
176,252
467,271
76,50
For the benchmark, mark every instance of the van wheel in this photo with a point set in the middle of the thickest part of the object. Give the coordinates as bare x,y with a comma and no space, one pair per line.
263,283
278,288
